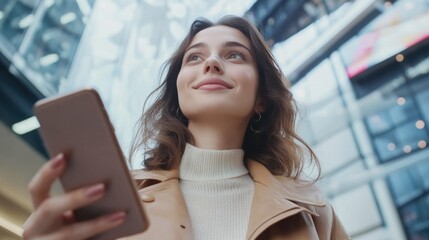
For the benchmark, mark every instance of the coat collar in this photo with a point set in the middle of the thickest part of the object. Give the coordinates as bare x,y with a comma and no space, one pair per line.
293,190
275,197
304,192
281,197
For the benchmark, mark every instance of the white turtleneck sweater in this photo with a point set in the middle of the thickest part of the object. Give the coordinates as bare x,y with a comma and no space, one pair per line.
218,192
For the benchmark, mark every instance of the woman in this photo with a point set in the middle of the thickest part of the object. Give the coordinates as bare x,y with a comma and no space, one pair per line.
223,160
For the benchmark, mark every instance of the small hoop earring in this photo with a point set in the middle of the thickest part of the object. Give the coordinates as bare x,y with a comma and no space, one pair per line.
255,121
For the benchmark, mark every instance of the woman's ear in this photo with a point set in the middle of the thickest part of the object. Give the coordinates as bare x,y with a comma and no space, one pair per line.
259,105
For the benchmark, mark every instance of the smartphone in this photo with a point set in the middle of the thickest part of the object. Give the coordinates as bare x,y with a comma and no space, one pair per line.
78,125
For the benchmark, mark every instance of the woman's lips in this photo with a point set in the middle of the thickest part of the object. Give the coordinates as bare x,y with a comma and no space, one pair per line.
212,87
212,84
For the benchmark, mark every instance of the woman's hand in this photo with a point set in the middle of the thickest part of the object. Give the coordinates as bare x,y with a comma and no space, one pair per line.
53,216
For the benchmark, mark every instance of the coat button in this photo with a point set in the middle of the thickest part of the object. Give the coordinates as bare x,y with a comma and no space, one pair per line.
147,198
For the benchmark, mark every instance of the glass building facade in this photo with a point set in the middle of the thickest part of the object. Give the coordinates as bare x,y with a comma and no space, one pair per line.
40,38
364,108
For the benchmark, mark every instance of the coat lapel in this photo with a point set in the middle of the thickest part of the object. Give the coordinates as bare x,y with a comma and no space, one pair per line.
164,205
277,198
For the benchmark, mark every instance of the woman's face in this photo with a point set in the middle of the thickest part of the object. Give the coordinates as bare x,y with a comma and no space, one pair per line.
218,77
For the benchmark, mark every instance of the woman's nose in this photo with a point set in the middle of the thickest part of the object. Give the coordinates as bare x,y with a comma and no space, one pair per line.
213,65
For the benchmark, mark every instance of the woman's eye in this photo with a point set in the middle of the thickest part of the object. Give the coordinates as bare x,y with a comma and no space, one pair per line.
236,55
192,57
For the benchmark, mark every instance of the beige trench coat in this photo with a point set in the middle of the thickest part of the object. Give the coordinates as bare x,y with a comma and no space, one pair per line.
281,208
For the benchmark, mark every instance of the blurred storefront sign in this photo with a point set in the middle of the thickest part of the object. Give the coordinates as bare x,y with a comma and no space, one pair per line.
400,28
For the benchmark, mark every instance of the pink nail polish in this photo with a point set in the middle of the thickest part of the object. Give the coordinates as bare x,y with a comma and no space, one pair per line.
94,191
116,217
57,161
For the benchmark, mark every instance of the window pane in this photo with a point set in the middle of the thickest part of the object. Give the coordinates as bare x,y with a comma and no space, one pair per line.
358,210
337,151
17,18
409,135
314,90
416,219
329,119
401,140
402,110
423,100
387,146
423,169
406,109
404,186
379,122
53,44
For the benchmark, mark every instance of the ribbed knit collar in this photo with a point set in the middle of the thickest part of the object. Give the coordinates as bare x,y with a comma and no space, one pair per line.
205,165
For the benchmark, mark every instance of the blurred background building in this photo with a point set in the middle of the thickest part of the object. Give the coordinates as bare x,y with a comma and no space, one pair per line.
359,72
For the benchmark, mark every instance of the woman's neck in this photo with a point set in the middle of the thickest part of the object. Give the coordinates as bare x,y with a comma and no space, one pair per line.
219,135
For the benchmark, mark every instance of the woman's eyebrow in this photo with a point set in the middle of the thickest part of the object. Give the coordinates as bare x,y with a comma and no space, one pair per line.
196,45
226,44
236,44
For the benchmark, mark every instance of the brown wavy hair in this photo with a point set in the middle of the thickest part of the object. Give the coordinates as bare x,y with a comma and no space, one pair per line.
163,131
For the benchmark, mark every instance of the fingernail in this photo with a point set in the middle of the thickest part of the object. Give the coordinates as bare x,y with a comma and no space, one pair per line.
57,161
116,217
94,191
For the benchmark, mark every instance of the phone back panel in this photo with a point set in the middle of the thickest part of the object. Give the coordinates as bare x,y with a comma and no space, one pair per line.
77,125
